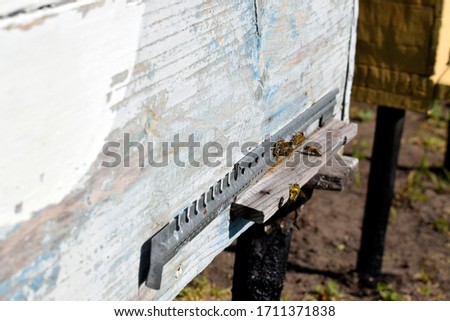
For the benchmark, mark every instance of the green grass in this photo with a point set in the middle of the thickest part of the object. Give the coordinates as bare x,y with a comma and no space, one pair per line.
432,133
418,181
393,215
412,189
439,113
423,276
201,289
360,148
424,290
388,293
329,292
441,224
362,114
427,288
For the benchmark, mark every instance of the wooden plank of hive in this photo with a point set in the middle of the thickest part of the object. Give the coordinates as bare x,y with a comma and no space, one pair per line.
77,75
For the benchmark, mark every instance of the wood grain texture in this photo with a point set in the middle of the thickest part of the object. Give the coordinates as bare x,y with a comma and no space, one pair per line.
269,193
83,73
336,176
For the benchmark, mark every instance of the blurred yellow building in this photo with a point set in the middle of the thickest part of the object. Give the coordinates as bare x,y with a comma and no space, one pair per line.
403,53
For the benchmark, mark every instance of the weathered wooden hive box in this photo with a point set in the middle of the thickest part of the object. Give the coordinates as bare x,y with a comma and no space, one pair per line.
75,75
403,53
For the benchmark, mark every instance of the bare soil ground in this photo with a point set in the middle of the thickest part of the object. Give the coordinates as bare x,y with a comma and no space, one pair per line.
323,252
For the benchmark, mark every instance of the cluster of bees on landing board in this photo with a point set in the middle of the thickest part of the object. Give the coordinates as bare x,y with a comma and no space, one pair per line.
284,149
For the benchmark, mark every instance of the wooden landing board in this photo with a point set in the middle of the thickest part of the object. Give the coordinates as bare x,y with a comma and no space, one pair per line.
336,176
75,75
261,201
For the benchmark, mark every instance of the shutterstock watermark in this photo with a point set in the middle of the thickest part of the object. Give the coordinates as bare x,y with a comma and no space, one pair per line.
190,152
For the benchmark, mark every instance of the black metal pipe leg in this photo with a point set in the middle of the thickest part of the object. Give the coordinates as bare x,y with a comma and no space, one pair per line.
260,263
262,253
388,133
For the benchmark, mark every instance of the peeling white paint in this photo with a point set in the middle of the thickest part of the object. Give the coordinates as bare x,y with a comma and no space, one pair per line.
54,118
185,67
14,8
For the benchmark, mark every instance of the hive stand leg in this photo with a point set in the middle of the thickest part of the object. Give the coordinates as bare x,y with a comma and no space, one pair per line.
388,133
261,256
260,264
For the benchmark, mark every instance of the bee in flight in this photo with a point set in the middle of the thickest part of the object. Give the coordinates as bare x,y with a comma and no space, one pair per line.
294,192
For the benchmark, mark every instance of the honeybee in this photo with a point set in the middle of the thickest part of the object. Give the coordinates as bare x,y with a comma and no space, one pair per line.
298,139
311,150
282,148
294,191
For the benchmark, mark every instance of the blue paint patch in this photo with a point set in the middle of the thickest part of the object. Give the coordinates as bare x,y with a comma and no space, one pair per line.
37,282
251,50
248,6
272,16
137,137
293,28
278,113
53,278
30,271
35,276
268,63
5,287
271,123
97,265
46,255
118,263
253,55
213,44
256,74
19,296
151,73
5,233
269,95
